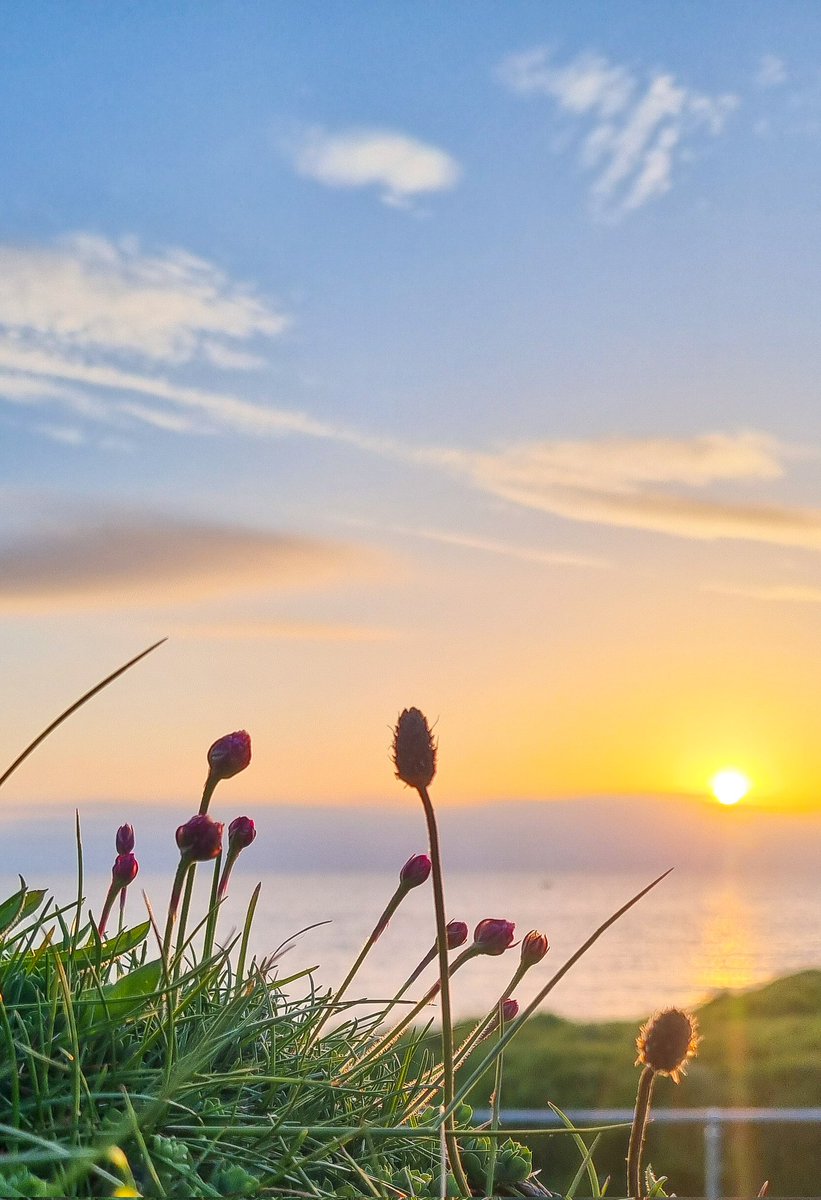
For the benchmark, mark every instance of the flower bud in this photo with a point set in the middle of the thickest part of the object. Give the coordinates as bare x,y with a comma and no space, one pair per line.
415,871
510,1009
124,870
493,935
241,832
534,947
414,750
200,839
125,839
667,1041
229,755
457,934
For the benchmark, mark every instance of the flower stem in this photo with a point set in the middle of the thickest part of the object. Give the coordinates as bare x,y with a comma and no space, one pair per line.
378,929
113,889
444,985
634,1188
213,908
173,904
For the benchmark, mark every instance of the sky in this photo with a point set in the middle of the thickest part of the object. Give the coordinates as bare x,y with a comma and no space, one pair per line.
463,357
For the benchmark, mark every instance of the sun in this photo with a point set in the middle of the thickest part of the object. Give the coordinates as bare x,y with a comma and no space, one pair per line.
730,786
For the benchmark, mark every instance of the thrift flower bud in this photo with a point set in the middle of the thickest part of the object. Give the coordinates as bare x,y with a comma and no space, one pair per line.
534,947
457,934
667,1041
229,755
124,870
241,832
493,935
200,839
414,750
125,839
510,1009
415,871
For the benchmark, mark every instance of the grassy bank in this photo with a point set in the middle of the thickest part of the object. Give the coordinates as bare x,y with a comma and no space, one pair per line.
760,1047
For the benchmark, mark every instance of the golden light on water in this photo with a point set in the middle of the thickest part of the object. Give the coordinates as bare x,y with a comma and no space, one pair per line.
730,786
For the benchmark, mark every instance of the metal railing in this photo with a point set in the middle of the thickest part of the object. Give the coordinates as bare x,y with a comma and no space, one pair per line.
714,1121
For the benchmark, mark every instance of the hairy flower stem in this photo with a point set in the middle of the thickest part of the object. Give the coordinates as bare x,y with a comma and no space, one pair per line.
444,985
634,1188
207,793
114,889
213,911
185,865
378,929
482,1030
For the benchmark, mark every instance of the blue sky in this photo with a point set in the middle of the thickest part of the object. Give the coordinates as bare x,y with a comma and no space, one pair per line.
464,356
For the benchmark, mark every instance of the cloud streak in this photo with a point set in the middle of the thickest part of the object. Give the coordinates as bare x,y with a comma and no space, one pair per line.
159,561
633,133
89,293
636,484
403,167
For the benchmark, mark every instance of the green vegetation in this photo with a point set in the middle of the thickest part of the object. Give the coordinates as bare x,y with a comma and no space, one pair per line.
759,1048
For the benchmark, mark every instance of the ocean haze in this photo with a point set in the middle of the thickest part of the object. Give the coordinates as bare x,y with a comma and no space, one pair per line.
649,833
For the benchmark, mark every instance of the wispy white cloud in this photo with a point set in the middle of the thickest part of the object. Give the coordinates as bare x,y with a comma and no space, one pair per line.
531,554
637,484
403,167
160,560
772,71
91,294
634,132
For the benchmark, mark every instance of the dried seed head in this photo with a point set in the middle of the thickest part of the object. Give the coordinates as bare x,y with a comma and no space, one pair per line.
415,871
534,947
457,934
667,1041
200,838
414,750
125,839
493,935
229,755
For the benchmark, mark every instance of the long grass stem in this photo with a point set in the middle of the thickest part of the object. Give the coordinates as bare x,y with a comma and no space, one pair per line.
638,1132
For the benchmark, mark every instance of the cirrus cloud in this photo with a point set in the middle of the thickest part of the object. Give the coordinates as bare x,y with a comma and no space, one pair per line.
634,132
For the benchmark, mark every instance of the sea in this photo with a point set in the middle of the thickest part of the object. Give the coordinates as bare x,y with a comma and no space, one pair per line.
695,934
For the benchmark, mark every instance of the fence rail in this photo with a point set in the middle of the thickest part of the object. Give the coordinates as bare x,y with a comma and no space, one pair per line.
713,1120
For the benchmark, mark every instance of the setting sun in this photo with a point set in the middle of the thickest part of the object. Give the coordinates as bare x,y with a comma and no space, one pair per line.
730,786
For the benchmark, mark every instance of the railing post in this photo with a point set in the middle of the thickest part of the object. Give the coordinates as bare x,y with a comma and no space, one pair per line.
712,1159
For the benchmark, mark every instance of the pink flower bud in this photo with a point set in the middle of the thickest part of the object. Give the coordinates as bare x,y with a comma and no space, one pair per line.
493,935
241,832
414,750
510,1009
415,871
125,839
200,839
124,870
534,947
457,934
229,755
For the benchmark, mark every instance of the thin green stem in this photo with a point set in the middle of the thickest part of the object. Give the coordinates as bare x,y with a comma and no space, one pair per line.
378,929
495,1106
41,737
173,904
516,1025
637,1133
444,985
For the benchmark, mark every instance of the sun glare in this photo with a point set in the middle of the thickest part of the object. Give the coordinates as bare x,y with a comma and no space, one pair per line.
730,786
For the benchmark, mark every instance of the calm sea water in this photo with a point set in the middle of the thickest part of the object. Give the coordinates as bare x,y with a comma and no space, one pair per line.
694,934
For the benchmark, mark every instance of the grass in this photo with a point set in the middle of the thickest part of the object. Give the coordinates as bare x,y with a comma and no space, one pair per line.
169,1065
760,1047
